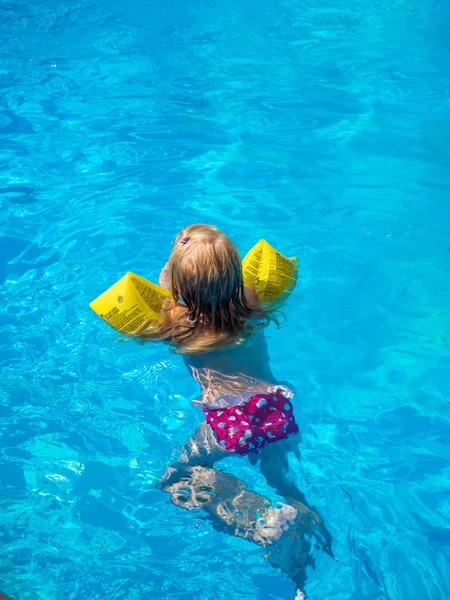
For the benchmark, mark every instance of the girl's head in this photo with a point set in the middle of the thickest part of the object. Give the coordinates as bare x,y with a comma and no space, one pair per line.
205,275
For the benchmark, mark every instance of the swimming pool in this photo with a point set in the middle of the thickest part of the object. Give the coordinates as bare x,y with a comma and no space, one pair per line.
322,127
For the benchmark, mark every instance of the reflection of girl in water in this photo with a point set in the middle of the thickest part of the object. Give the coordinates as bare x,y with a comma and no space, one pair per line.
217,325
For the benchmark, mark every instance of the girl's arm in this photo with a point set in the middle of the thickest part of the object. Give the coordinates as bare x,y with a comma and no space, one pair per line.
251,297
164,277
160,331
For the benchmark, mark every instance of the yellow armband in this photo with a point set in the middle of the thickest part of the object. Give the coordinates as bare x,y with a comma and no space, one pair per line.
134,303
131,304
272,275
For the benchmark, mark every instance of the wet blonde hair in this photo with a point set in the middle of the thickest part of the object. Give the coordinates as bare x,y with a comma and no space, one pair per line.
210,310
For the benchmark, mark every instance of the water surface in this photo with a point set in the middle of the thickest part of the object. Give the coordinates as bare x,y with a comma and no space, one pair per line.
322,127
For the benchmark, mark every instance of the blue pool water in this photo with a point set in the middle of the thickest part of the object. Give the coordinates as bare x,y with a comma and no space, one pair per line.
322,127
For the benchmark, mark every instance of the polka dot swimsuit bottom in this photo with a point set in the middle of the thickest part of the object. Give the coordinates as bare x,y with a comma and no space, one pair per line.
248,423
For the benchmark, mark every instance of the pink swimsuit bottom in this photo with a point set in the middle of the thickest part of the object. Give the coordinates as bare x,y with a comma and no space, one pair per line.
249,422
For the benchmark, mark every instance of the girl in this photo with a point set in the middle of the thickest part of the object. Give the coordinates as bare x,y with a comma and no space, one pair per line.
217,324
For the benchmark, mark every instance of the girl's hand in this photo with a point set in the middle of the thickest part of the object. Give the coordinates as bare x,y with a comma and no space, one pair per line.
164,277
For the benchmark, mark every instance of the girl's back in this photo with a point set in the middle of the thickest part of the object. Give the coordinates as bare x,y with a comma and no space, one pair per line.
233,370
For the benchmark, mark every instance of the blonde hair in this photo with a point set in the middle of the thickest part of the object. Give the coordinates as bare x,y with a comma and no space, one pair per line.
209,309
